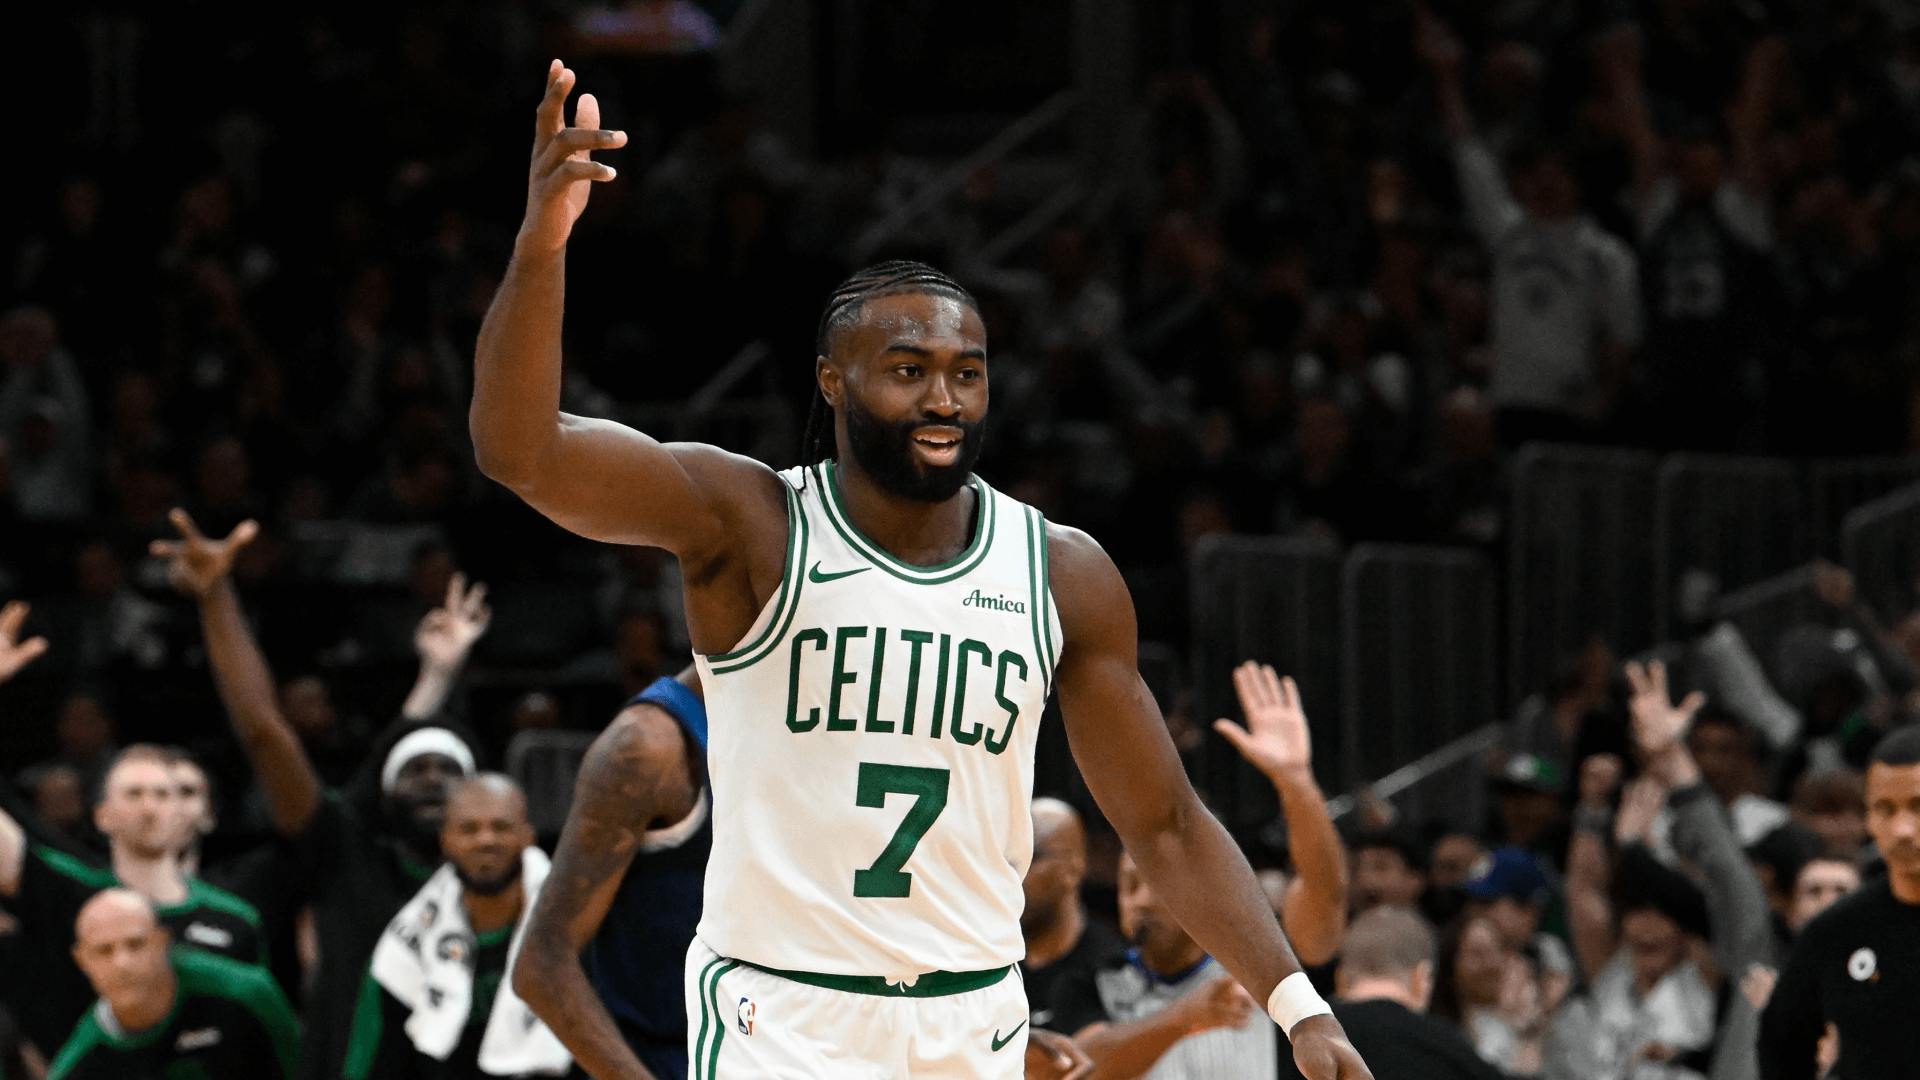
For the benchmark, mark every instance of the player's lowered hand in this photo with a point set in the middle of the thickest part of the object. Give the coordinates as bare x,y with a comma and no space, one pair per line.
14,653
1321,1051
196,563
1275,740
563,170
1053,1056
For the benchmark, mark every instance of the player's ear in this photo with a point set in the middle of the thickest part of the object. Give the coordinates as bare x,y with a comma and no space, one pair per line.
827,377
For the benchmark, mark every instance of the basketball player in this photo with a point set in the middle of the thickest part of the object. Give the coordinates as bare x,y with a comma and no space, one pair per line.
876,634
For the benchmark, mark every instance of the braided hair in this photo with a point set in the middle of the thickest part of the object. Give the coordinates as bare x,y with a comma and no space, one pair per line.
843,309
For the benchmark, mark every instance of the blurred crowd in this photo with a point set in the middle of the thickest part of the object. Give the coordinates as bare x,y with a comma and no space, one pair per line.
1345,258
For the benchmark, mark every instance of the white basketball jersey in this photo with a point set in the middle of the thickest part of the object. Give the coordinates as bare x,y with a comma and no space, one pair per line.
871,748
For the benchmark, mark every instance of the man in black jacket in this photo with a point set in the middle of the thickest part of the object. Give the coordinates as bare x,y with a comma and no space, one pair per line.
1384,981
1857,965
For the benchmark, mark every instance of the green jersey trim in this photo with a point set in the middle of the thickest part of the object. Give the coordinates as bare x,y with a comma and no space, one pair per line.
707,1017
93,877
215,898
932,984
1047,613
1036,596
786,599
365,1032
958,566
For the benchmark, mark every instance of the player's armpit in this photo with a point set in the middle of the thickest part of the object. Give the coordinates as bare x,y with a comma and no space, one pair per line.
635,773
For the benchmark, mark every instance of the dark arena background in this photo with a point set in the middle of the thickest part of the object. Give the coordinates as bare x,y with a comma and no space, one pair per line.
1447,357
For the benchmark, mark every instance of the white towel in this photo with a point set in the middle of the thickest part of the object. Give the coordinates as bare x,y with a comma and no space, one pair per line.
424,959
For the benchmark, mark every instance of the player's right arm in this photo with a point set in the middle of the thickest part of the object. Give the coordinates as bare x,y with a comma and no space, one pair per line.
595,477
637,771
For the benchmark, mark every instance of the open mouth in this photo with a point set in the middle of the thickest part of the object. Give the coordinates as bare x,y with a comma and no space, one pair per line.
937,446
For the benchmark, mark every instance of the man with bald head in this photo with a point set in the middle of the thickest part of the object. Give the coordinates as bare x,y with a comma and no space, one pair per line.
1060,939
165,1011
1385,981
435,1004
138,811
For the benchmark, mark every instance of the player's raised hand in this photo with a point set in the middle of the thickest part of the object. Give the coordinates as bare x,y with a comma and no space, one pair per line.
1275,740
447,633
14,653
563,170
195,563
1321,1051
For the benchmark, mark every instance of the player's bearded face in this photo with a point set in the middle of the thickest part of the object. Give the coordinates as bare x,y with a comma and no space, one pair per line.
884,449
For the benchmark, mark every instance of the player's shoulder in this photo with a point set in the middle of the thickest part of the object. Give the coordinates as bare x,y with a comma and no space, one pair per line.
737,478
644,736
1087,587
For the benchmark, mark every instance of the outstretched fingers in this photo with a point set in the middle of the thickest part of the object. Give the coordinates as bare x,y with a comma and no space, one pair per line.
183,523
551,116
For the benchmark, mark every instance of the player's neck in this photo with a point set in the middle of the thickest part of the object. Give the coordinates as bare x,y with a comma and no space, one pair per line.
911,530
486,914
149,1007
157,878
1058,937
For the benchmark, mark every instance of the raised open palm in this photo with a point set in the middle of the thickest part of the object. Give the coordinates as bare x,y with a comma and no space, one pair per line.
1275,739
1657,722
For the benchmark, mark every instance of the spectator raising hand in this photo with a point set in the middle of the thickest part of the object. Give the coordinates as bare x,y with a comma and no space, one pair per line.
1660,726
444,638
1275,741
14,653
195,564
447,634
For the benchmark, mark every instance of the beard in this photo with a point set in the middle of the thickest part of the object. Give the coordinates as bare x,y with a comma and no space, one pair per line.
492,886
885,452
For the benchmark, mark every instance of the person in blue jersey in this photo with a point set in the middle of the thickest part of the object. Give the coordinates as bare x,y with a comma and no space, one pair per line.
878,633
601,963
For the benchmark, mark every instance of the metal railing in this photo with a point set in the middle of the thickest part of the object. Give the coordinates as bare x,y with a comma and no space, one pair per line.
1739,519
1418,663
1579,556
938,190
1880,542
1275,600
1447,783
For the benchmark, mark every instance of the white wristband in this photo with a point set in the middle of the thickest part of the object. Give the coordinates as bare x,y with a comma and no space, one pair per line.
1294,1000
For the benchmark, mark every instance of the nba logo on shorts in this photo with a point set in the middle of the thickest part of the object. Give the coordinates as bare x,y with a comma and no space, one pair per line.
744,1016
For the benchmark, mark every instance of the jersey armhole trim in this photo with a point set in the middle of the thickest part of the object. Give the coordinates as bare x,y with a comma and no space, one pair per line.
786,599
1037,596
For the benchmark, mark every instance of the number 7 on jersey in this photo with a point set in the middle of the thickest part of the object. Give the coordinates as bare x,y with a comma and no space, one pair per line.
884,878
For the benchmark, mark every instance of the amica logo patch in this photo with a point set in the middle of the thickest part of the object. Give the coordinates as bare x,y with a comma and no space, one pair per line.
993,603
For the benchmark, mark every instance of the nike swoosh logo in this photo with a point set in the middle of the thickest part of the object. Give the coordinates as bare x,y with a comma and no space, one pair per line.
814,575
999,1042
